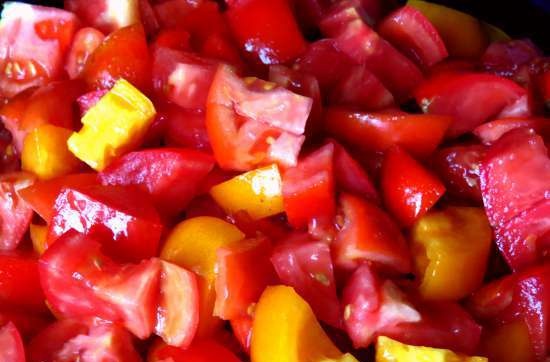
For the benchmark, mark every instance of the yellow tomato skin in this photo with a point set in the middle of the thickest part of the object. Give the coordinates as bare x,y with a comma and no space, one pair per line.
389,350
464,35
286,330
507,343
258,192
192,244
45,152
38,234
451,250
113,126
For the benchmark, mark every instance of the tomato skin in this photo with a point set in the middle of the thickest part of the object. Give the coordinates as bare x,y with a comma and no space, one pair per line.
11,344
459,168
507,58
490,132
308,188
470,98
106,15
377,132
34,40
85,42
306,265
266,31
205,350
160,172
123,54
242,329
368,234
412,33
20,283
184,128
121,217
79,281
15,213
409,190
173,38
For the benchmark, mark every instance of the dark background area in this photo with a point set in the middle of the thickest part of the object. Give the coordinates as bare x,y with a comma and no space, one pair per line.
518,18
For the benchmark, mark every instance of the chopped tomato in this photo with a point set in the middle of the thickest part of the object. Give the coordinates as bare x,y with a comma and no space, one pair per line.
28,324
123,54
412,33
507,58
173,38
121,217
106,15
11,344
409,189
242,329
183,78
368,234
20,283
220,47
90,99
205,350
266,30
377,132
79,281
459,168
306,265
490,132
42,194
362,44
171,176
255,123
372,306
34,41
243,272
15,213
184,128
470,98
308,189
85,42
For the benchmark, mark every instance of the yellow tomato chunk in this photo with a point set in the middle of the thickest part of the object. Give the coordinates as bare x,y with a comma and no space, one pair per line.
38,237
112,127
258,192
389,350
451,249
192,244
286,330
45,152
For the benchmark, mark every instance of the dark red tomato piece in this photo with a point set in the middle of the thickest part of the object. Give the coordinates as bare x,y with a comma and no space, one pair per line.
178,309
205,350
266,30
459,167
171,176
28,324
123,218
34,41
106,15
183,78
490,132
441,325
408,188
305,85
11,344
506,58
306,265
15,213
362,44
515,175
172,13
372,306
412,33
244,271
350,175
148,17
79,281
376,132
308,188
325,62
520,296
545,88
85,42
242,329
368,234
310,12
42,194
184,128
82,340
360,88
12,112
88,100
253,123
453,65
20,283
471,98
340,15
173,38
123,54
221,47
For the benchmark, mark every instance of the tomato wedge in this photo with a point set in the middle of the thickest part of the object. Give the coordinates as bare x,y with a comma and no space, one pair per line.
11,344
15,213
85,42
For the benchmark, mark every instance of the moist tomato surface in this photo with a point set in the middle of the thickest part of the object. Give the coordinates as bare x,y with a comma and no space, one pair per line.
268,181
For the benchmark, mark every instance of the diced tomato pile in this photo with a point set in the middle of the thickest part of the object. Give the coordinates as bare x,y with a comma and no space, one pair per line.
271,181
